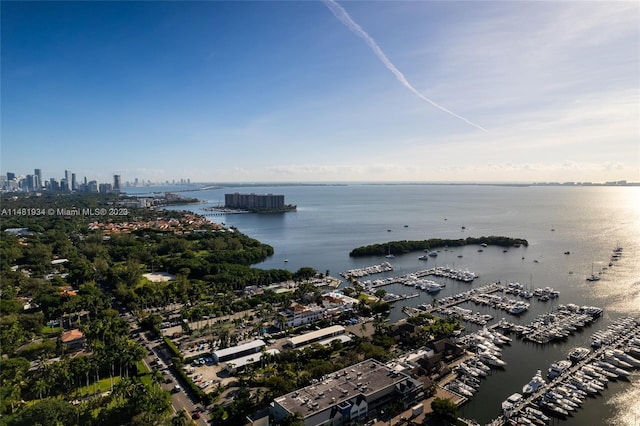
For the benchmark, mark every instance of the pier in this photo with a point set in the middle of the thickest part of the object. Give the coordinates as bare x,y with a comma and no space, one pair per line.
452,274
454,300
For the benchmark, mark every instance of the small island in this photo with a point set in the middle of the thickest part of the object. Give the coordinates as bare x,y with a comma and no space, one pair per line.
403,247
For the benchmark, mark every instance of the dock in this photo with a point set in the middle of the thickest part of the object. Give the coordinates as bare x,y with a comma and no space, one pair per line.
457,299
625,333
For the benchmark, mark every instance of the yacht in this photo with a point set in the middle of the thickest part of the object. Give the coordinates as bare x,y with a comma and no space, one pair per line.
578,354
536,383
432,254
612,368
537,414
553,408
518,308
557,368
511,402
454,386
626,357
491,359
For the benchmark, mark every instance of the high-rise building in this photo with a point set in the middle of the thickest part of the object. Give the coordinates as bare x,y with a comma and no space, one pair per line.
53,184
29,182
116,183
67,180
38,173
74,183
11,176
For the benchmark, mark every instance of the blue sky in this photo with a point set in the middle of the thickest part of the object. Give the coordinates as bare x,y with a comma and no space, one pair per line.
287,91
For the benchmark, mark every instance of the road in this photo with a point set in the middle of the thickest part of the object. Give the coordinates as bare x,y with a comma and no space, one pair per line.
158,357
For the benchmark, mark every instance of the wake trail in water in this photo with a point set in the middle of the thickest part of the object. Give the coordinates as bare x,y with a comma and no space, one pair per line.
342,15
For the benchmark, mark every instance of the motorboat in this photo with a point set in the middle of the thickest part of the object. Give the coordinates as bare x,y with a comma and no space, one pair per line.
432,287
491,359
511,402
612,368
534,384
553,408
626,357
558,368
454,386
537,414
578,354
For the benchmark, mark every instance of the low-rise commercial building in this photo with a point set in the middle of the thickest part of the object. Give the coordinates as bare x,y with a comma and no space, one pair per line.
348,395
315,336
234,352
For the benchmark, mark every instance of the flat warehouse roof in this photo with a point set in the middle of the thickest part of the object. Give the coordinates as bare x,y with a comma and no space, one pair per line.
318,334
254,344
249,359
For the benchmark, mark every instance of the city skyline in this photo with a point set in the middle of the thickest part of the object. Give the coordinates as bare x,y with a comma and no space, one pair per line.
323,91
12,181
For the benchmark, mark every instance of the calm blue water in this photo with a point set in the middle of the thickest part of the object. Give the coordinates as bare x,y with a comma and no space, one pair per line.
587,221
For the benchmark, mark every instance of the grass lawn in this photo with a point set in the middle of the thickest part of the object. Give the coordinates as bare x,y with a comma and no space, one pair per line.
51,331
102,386
143,373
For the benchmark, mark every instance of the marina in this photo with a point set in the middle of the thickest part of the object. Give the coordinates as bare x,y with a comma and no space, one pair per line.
571,381
586,224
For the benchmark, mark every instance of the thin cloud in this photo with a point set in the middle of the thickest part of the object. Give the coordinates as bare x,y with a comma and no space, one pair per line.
345,18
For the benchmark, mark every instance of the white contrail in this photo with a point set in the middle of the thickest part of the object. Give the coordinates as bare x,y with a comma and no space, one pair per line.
344,17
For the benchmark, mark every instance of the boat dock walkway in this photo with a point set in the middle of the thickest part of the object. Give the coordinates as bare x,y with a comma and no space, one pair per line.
457,275
456,299
402,297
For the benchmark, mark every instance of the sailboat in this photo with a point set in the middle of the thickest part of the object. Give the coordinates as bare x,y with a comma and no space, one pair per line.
592,277
389,254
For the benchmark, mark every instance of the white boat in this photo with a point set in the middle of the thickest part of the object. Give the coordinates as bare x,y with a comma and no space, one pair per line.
389,254
431,286
612,368
553,408
454,386
511,402
578,354
536,382
432,254
491,359
626,357
592,277
537,414
518,308
557,368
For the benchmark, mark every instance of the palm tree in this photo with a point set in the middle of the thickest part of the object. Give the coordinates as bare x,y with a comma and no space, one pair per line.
180,419
363,327
380,294
40,386
379,324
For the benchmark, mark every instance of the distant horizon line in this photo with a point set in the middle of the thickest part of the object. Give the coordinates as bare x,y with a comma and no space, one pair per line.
373,182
